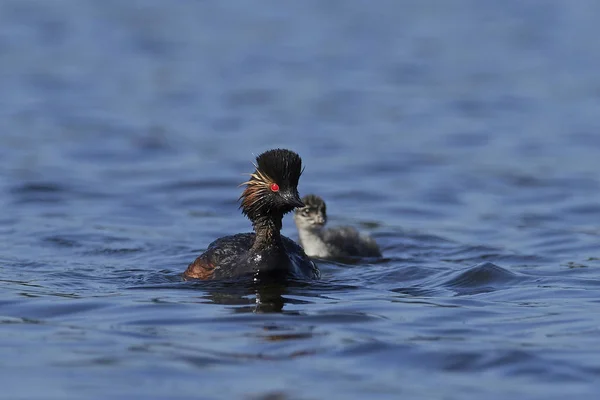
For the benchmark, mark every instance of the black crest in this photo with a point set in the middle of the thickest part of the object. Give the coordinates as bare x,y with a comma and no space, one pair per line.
281,166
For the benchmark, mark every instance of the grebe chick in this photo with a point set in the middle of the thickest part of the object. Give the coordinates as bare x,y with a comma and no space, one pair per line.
344,241
271,192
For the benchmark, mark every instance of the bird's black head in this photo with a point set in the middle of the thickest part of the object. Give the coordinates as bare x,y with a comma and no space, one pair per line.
273,187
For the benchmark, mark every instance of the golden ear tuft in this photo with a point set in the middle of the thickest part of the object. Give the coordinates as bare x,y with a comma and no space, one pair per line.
258,178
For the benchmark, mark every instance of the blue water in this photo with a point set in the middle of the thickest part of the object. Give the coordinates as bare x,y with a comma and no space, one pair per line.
463,135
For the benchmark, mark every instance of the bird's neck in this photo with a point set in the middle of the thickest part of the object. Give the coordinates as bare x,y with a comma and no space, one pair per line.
312,242
268,232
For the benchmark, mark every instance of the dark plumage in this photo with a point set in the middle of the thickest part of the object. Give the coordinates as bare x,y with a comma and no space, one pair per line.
271,192
331,243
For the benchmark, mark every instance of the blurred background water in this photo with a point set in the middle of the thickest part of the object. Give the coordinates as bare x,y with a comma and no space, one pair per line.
463,135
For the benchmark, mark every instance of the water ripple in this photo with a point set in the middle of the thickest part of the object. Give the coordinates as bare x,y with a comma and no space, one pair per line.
463,140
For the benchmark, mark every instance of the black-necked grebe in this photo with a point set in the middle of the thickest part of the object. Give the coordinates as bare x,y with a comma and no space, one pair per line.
338,242
271,192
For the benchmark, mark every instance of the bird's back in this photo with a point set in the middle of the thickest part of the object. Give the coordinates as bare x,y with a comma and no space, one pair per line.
231,256
347,241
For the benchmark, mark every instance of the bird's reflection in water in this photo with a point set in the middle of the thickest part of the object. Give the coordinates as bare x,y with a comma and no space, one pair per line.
269,298
268,331
252,298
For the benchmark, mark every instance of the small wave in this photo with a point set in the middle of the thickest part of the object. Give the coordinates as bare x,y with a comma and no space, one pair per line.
482,278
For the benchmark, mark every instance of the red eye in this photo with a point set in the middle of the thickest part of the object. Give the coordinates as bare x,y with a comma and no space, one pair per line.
274,187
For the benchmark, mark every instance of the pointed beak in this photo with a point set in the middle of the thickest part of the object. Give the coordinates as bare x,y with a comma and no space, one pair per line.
294,200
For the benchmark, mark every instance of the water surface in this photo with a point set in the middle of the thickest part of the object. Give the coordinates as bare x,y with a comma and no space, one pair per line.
462,135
